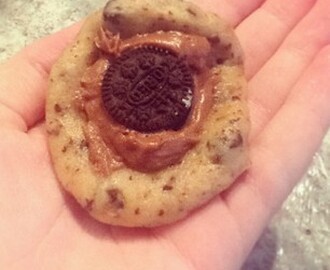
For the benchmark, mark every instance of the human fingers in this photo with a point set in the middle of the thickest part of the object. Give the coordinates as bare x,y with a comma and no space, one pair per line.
221,244
283,151
271,85
289,141
262,32
23,78
233,11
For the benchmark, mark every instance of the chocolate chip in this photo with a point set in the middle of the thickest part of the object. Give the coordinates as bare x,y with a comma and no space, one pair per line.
191,12
234,120
89,204
57,108
237,141
54,128
216,159
116,198
83,144
161,212
148,89
209,146
167,187
146,194
235,98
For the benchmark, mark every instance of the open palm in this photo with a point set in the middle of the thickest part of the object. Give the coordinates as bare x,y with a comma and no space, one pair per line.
287,50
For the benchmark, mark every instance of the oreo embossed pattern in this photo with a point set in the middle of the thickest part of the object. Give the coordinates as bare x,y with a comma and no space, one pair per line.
148,89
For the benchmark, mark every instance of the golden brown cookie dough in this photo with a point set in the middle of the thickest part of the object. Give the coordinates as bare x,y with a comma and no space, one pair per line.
151,173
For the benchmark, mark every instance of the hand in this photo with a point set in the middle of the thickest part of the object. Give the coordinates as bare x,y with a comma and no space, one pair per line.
287,62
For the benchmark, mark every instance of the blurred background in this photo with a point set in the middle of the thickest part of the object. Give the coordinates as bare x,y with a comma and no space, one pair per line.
299,235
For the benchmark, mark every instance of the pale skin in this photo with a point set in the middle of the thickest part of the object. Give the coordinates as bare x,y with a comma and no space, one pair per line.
287,50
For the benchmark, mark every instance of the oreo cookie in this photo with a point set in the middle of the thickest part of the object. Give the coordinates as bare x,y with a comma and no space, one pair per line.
148,89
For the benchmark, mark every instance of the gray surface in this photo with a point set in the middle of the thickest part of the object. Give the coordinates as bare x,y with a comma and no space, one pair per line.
298,237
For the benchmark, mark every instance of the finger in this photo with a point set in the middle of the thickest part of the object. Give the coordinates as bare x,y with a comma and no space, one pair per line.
297,130
262,32
233,11
23,79
281,72
284,150
10,119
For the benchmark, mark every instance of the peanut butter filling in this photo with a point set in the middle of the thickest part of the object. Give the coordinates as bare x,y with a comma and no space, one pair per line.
112,145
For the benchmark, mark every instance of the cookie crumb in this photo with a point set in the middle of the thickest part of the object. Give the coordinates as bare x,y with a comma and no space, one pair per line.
137,211
161,212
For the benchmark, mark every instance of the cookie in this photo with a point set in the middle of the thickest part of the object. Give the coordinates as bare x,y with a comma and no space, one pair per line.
146,112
